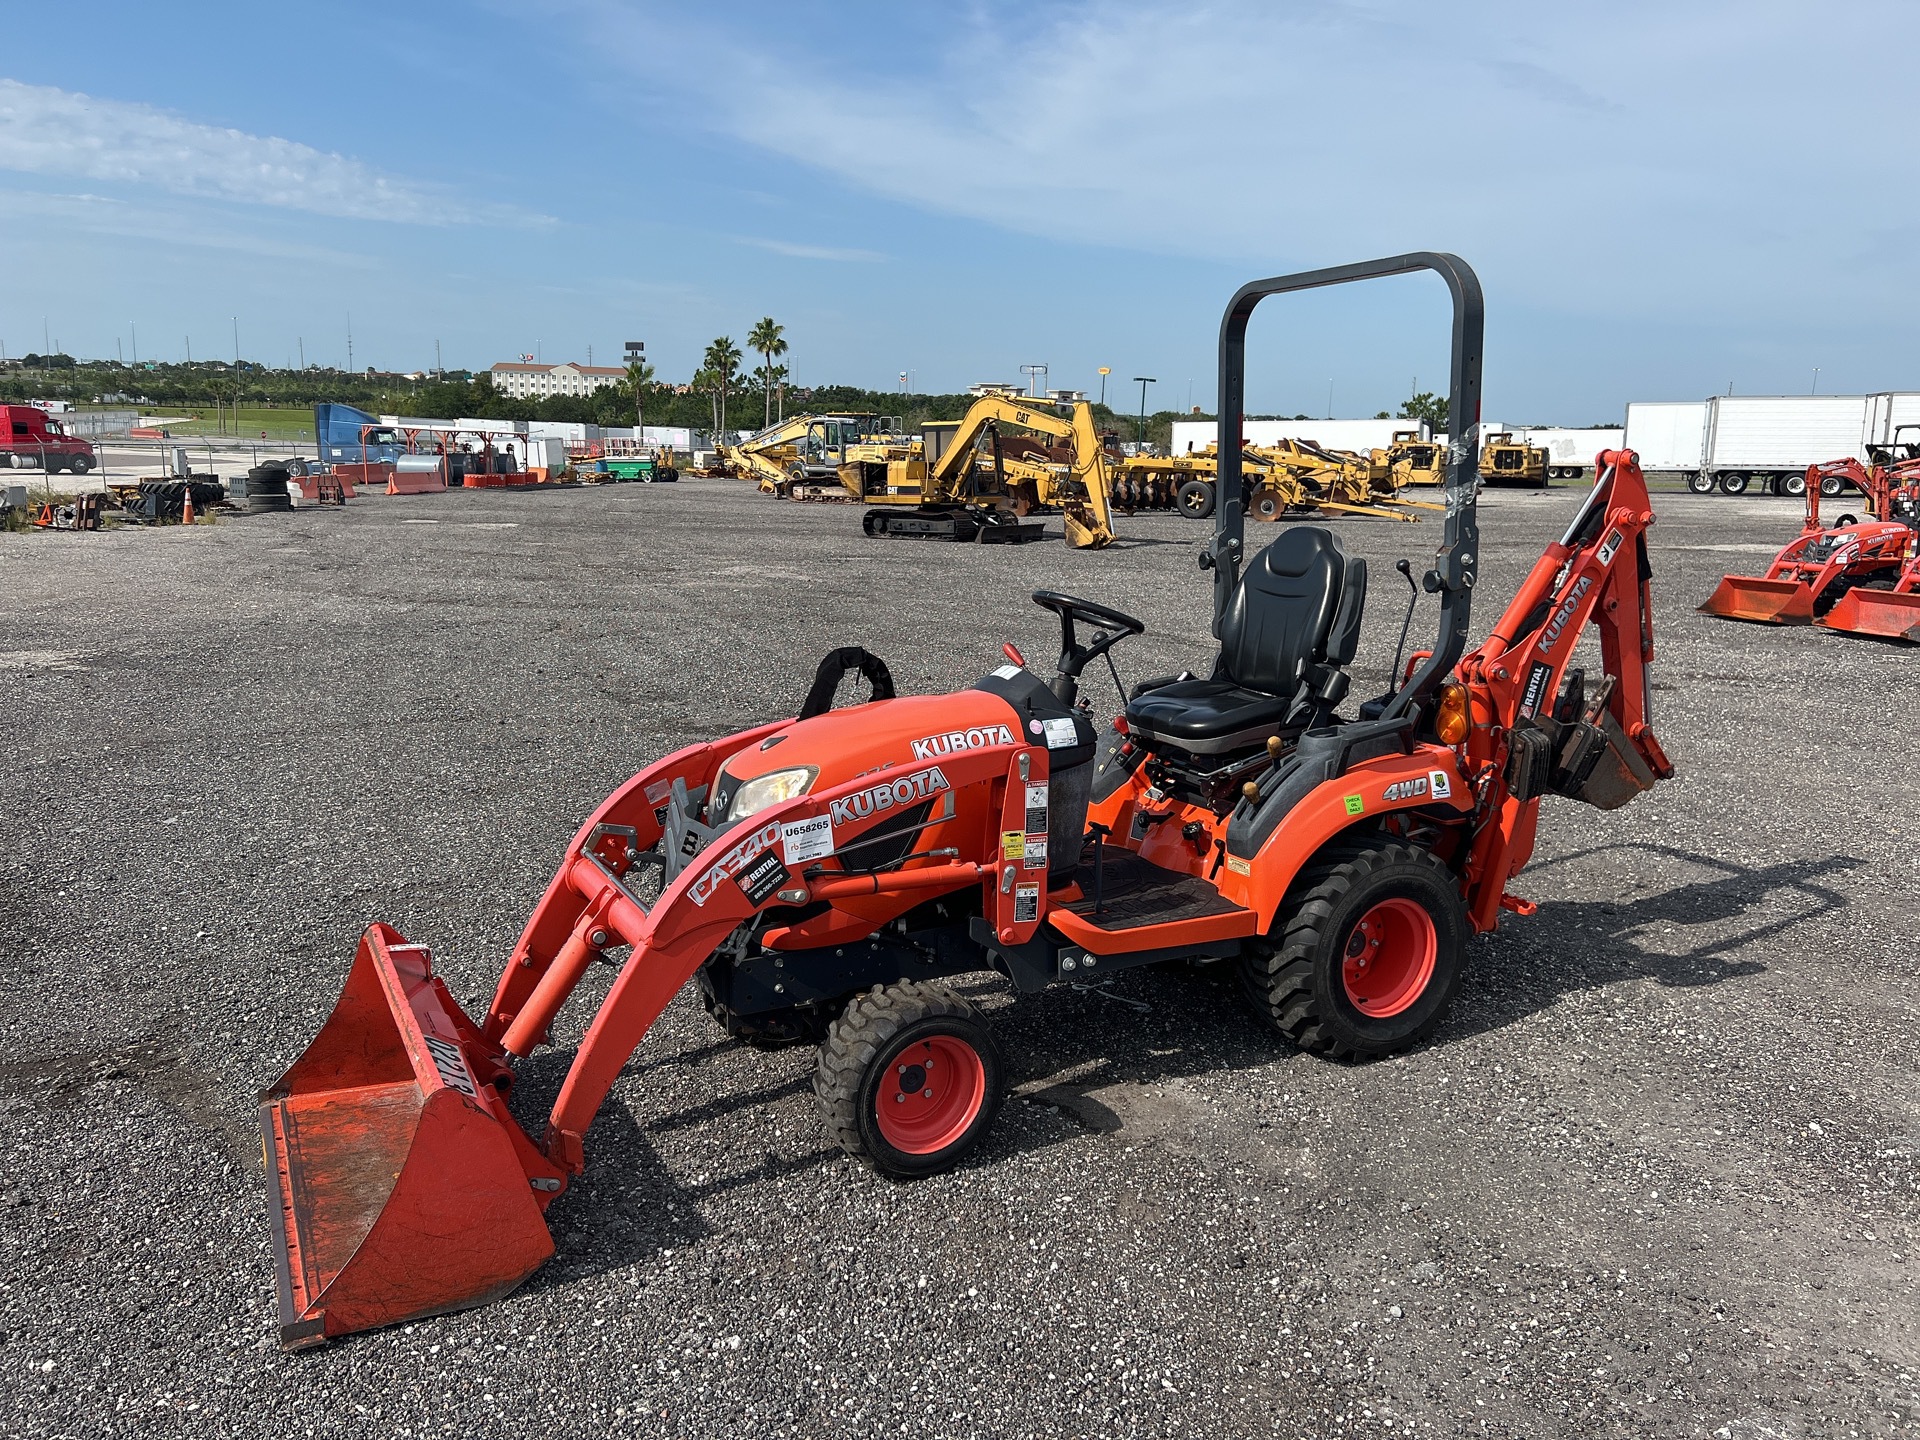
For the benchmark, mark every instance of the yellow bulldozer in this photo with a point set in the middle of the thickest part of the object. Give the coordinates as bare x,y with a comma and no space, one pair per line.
981,477
1507,461
800,458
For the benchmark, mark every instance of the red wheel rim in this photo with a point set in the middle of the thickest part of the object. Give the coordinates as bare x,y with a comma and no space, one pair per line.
929,1093
1390,958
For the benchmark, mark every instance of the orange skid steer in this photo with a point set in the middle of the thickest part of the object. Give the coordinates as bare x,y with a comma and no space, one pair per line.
822,878
1820,567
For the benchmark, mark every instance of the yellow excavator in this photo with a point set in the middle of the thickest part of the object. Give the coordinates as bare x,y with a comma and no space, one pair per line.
800,458
980,478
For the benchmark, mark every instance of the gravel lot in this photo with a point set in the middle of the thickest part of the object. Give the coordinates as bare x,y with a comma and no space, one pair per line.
1655,1177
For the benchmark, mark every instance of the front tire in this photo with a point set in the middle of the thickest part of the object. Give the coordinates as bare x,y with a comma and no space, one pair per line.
80,464
909,1079
1700,483
1366,953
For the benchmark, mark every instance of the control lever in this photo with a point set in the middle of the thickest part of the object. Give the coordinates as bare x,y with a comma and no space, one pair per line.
1405,567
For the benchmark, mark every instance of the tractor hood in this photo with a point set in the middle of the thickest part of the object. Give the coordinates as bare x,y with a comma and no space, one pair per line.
1009,707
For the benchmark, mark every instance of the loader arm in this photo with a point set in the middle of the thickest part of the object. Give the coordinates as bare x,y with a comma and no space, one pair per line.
1533,731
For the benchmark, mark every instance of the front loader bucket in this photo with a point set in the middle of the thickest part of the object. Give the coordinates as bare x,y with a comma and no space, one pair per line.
398,1185
1768,602
1885,613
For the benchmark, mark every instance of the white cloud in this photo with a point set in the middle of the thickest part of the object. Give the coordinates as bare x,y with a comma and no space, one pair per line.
48,131
808,252
1632,158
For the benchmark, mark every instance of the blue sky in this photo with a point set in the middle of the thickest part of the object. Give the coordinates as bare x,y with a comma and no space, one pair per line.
1662,200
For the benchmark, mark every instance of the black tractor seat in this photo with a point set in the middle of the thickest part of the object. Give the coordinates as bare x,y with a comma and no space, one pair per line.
1287,635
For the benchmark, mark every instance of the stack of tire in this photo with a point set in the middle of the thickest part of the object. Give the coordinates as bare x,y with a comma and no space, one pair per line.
266,488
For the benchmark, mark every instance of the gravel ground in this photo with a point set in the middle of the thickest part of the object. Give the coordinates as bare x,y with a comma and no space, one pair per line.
1655,1177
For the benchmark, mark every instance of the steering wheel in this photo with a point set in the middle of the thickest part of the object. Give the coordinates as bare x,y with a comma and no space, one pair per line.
1111,627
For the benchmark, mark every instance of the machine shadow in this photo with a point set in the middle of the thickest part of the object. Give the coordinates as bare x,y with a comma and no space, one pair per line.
1195,1022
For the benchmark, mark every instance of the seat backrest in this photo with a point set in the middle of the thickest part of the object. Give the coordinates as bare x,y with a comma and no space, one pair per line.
1297,606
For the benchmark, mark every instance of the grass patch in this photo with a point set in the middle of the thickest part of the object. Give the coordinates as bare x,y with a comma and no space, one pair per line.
279,422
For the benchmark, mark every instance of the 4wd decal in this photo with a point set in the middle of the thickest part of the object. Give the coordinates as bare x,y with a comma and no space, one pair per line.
737,855
921,785
1405,789
934,746
1565,613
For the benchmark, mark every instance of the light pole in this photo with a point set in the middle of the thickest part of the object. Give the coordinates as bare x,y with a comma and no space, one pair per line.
1816,381
1104,372
1144,381
1329,397
1034,374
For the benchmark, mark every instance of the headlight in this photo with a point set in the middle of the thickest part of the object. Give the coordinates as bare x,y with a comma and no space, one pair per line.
782,785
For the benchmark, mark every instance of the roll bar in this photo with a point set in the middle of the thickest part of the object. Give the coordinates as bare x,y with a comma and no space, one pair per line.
1457,560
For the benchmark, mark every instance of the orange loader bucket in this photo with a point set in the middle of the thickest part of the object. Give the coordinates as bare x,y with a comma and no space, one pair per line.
1888,614
1769,602
398,1184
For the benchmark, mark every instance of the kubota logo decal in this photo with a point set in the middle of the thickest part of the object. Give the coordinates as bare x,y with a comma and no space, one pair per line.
921,785
728,864
934,746
1564,613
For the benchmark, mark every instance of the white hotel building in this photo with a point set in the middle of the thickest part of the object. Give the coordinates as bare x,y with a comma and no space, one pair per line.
536,382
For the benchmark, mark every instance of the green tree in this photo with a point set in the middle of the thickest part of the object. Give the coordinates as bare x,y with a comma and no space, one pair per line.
722,361
639,377
1428,407
767,340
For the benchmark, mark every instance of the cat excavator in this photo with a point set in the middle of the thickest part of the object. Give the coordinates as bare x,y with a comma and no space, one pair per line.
799,458
972,482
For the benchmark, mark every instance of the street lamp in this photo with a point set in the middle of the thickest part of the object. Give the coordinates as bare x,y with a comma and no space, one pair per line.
1816,381
1104,372
1144,381
1036,375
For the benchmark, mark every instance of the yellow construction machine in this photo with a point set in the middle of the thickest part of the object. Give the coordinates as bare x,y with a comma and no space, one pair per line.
980,478
1507,461
800,458
1339,481
1412,461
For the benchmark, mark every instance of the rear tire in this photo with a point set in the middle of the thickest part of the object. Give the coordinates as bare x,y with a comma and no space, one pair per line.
1795,485
1733,484
1365,954
1195,499
1831,485
909,1079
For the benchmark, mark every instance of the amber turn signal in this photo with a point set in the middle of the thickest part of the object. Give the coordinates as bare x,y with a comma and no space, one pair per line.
1450,723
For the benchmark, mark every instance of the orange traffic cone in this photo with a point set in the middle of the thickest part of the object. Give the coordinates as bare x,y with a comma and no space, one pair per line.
186,509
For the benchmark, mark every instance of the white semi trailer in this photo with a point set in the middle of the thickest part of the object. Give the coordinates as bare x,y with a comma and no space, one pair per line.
1734,442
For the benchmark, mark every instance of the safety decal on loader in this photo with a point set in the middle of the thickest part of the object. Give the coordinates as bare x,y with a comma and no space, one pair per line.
1036,809
1013,844
1035,857
1026,904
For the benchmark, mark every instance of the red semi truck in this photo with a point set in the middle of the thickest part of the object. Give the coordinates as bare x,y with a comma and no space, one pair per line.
30,438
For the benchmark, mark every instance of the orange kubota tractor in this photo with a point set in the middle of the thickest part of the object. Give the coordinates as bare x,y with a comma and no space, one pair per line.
1820,567
820,878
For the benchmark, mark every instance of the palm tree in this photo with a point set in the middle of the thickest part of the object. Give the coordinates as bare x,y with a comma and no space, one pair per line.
639,376
706,383
723,359
766,340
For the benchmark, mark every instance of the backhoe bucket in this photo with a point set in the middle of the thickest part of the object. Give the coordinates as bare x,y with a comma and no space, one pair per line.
398,1185
1885,613
1769,602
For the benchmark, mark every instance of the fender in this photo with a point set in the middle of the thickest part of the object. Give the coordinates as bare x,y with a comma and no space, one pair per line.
1429,777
